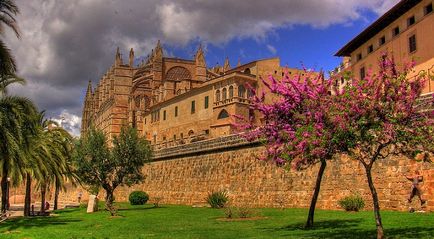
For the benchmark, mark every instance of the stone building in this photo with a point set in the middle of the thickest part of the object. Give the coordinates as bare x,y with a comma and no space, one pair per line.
174,101
406,31
182,106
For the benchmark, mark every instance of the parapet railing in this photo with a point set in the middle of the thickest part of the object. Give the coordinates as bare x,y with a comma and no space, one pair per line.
205,146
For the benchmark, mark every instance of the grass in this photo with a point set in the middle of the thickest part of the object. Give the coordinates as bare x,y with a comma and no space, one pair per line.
186,222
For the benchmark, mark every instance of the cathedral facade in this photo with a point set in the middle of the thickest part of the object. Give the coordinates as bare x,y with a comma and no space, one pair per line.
174,101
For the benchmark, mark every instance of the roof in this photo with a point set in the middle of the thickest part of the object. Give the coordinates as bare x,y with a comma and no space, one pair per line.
394,13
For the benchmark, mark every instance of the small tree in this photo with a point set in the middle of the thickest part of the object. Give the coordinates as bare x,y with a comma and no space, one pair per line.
98,165
299,127
381,119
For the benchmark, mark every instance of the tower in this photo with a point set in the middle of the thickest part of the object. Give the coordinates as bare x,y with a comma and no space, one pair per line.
87,109
131,58
118,58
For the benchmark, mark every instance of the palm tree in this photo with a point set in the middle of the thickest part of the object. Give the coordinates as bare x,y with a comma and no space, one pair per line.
8,11
64,143
17,121
49,160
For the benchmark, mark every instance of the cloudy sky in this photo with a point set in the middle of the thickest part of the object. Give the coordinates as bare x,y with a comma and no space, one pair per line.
65,43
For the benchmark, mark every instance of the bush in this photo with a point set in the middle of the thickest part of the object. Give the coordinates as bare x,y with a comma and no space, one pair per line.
217,199
138,198
352,203
245,212
229,212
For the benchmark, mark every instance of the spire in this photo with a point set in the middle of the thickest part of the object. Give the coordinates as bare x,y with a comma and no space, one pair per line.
200,57
158,51
89,89
227,65
118,59
200,64
131,59
239,62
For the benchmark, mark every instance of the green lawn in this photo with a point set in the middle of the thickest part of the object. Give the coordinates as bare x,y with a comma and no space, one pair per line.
186,222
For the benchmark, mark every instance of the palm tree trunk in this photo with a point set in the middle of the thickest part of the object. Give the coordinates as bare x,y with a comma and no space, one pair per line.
43,192
309,222
380,231
4,187
28,199
56,194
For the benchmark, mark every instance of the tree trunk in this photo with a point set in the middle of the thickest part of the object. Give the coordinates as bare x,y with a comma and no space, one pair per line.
28,199
109,202
43,192
4,187
56,194
380,232
309,222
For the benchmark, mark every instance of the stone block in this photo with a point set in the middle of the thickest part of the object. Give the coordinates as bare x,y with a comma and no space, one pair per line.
92,205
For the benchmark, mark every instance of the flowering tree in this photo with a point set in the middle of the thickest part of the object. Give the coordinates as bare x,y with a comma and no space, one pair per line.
381,119
299,127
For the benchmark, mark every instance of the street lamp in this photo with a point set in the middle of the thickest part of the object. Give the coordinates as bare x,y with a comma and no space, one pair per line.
7,193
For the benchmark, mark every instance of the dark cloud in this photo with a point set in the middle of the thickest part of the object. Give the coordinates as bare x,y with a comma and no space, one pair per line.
66,43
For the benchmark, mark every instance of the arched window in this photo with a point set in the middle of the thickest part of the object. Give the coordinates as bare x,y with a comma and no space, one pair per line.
217,96
137,101
231,92
224,94
247,71
241,91
223,114
190,133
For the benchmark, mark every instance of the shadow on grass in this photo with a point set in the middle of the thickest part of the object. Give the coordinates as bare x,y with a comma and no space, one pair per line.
139,208
343,229
39,222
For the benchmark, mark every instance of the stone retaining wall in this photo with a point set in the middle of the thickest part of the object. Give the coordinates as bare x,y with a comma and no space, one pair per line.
187,173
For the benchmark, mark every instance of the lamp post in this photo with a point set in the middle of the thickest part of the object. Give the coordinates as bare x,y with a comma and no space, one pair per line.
7,194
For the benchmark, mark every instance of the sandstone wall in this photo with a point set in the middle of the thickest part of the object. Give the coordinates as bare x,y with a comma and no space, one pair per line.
186,174
232,166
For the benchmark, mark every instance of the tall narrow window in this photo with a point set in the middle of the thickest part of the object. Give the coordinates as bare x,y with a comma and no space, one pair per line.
241,91
134,119
412,43
217,95
370,48
382,40
411,20
395,31
428,9
193,107
224,94
164,115
362,73
359,56
176,111
231,92
206,102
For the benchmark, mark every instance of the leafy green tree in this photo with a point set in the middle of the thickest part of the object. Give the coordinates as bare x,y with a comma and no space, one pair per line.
97,165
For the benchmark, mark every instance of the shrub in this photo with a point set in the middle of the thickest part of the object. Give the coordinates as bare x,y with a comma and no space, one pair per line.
352,203
217,199
245,212
138,198
157,201
229,212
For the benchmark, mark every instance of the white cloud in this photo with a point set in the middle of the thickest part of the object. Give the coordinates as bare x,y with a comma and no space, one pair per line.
272,49
70,122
